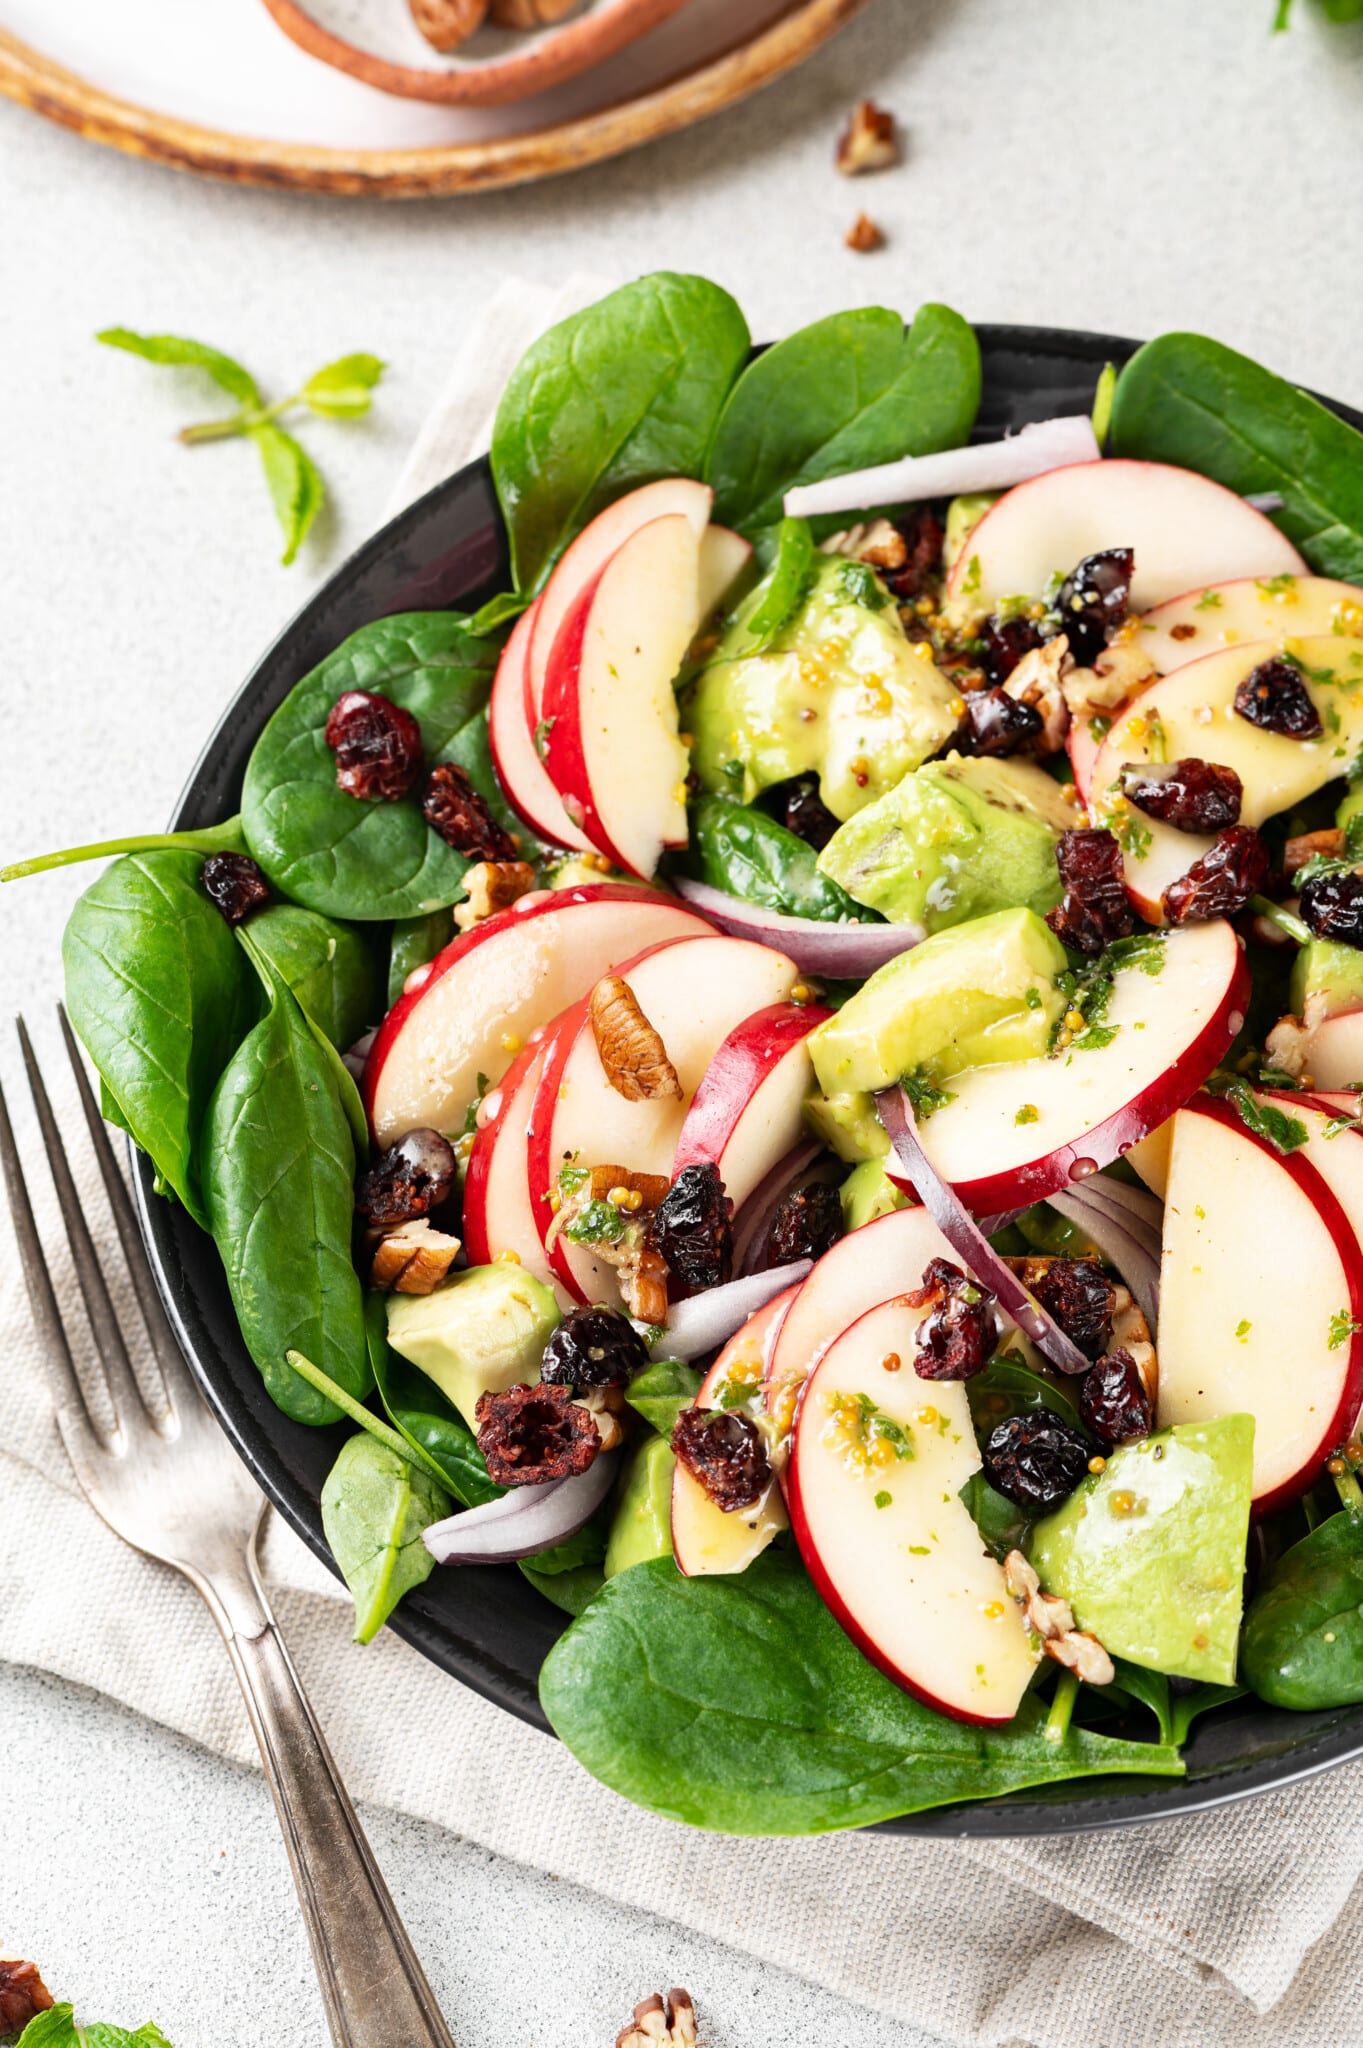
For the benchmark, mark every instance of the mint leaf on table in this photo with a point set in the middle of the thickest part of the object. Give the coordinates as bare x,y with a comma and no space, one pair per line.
343,390
57,2028
296,487
181,353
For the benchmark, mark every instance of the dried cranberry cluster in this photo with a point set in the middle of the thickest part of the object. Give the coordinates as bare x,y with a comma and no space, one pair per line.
1093,600
1094,910
379,759
993,723
1035,1459
234,884
956,1338
806,1225
1192,795
1234,868
1113,1400
1274,697
920,572
726,1452
1332,907
691,1228
593,1347
407,1181
801,809
529,1435
1078,1295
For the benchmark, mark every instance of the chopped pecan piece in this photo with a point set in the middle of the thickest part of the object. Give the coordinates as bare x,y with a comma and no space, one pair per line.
1307,845
413,1259
492,885
1082,1654
1037,681
448,23
1045,1614
864,235
875,541
531,1434
23,1995
661,2023
529,13
1131,1333
632,1053
452,807
1120,671
868,142
604,1404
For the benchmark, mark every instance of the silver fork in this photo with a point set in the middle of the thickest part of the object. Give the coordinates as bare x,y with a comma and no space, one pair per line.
160,1472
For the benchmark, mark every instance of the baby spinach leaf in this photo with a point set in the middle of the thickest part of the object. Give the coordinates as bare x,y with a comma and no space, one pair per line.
374,1508
617,395
845,393
1001,1523
781,593
738,1704
1151,1688
278,1164
1302,1641
571,1590
331,967
1188,400
661,1391
499,611
343,855
226,838
739,848
1008,1386
159,994
414,942
1188,1706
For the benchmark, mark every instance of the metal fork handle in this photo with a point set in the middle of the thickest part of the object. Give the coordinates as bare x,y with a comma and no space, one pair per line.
373,1987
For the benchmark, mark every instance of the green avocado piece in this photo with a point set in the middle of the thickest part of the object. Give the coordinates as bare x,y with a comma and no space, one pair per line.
963,516
642,1524
978,994
1150,1552
839,691
1350,804
478,1332
869,1192
848,1125
1328,977
955,840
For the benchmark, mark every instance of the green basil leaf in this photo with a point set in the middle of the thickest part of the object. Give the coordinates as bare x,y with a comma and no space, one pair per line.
175,349
627,391
416,941
661,1391
332,968
848,392
296,487
159,994
740,849
342,390
343,855
738,1704
374,1508
1188,400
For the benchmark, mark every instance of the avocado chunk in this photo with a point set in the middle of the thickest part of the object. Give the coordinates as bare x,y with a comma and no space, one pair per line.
869,1192
1150,1552
955,840
479,1332
848,1125
1327,978
978,994
642,1524
963,516
839,691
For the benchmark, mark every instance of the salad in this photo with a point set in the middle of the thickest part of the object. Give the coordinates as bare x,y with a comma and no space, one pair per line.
796,1075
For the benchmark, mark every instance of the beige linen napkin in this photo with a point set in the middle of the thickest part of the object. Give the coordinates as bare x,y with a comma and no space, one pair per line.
1233,1927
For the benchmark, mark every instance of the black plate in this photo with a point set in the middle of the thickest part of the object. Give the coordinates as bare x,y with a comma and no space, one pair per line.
488,1627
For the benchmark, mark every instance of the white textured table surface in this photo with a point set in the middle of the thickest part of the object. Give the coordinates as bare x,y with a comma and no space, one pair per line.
1068,162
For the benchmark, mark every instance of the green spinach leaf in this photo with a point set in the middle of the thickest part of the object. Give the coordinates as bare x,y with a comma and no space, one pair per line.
1008,1386
225,838
848,392
1188,400
1302,1641
739,848
1188,1706
343,855
1150,1688
1001,1523
420,1413
158,992
571,1590
331,967
738,1704
661,1391
617,395
374,1508
414,942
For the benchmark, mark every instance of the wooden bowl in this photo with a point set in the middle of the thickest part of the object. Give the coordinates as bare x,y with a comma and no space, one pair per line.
378,42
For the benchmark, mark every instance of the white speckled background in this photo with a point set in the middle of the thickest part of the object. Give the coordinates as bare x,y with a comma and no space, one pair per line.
1070,161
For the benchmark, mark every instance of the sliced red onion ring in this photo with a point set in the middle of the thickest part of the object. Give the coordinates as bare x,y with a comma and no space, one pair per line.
524,1520
964,1235
700,1325
1144,1209
989,466
753,1223
844,951
358,1053
1121,1240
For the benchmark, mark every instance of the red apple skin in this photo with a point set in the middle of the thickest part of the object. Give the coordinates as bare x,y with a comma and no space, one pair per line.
764,1324
747,1058
1346,1241
995,1194
477,1240
519,769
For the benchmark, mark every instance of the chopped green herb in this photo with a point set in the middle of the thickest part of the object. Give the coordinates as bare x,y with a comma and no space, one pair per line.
883,1499
1100,725
974,576
1033,998
859,584
1242,1330
923,1094
570,1175
1276,586
1210,601
1342,1327
470,1123
1283,1132
542,731
1028,1114
1342,1123
599,1223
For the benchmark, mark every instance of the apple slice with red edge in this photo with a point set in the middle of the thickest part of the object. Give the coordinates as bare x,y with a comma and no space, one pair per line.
1261,1298
1012,1134
1182,528
519,768
471,1010
1334,1052
693,992
499,1216
877,1463
1274,608
748,1111
610,713
706,1539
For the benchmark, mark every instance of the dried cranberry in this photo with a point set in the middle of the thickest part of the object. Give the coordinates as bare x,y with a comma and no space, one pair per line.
1234,868
1093,599
528,1435
923,535
1332,907
409,1180
1094,910
691,1230
1113,1400
726,1452
1195,796
1035,1460
996,723
804,812
1003,642
1077,1294
23,1995
377,746
235,884
1274,697
955,1339
593,1347
806,1225
452,807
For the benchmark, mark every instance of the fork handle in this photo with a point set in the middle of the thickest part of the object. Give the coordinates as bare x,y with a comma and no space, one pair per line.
373,1987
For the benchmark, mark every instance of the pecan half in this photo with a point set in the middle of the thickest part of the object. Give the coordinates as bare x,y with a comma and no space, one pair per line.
1084,1655
875,541
23,1995
1306,845
864,235
632,1053
1038,682
447,23
492,885
1051,1620
413,1259
869,142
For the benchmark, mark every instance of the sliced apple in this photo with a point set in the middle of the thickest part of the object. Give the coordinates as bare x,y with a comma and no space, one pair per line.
519,768
499,1217
475,1006
877,1464
1273,608
1184,530
724,556
1334,1051
1261,1298
705,1539
1150,1157
612,748
693,993
748,1111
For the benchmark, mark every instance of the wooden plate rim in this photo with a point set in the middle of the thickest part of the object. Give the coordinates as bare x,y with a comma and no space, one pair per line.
59,95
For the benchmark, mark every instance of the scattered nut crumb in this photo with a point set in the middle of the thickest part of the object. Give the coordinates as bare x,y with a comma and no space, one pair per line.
864,235
659,2023
869,142
1131,1333
413,1259
632,1053
603,1404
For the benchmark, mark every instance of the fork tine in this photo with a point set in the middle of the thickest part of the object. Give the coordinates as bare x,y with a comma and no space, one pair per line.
175,1379
124,1393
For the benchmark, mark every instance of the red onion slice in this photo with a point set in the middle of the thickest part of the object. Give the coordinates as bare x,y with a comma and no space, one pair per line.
1122,1241
988,466
700,1325
356,1055
1144,1210
964,1235
754,1220
524,1520
844,951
